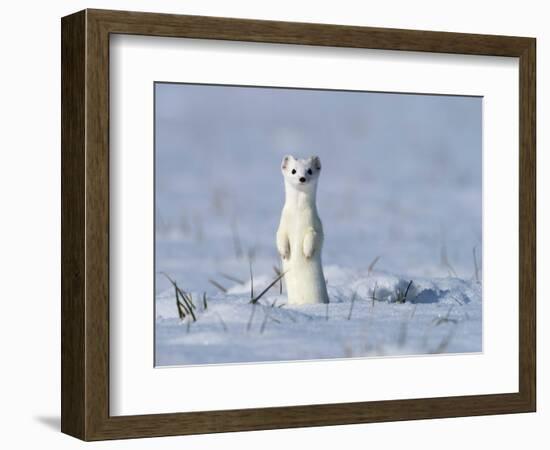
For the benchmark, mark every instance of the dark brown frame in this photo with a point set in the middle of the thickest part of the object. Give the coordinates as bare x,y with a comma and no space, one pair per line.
85,224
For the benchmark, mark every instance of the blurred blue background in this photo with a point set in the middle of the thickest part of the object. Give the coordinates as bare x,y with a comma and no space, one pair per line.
401,177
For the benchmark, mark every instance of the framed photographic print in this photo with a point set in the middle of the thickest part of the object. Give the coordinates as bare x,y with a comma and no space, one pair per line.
273,224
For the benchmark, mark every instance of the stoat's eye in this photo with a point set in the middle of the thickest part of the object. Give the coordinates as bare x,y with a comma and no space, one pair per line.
293,171
309,171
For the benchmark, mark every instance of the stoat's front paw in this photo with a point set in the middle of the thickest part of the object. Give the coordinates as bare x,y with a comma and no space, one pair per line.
308,252
284,251
308,246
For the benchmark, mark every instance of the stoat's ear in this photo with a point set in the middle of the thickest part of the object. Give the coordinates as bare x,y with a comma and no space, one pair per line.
316,162
286,160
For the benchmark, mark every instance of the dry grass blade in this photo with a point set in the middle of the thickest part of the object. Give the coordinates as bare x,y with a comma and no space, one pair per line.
402,297
231,278
446,319
442,347
373,296
251,279
266,317
352,303
218,285
407,290
457,300
372,264
168,277
204,302
188,302
255,299
476,268
189,298
289,314
251,253
222,322
251,318
179,293
182,309
236,240
445,261
278,272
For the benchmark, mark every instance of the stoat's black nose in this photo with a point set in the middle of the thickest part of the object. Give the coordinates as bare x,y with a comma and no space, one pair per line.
302,179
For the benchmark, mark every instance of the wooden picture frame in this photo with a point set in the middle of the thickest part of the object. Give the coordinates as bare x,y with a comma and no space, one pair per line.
85,224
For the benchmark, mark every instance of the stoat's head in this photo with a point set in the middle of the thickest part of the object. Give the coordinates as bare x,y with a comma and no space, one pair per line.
301,173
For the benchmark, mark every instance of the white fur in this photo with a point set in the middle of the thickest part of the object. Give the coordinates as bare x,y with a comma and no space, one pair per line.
300,233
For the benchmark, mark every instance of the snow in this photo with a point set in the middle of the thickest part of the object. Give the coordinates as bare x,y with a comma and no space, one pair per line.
439,315
401,182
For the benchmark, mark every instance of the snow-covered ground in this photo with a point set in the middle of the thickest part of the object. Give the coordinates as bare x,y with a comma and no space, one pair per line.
364,318
400,187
